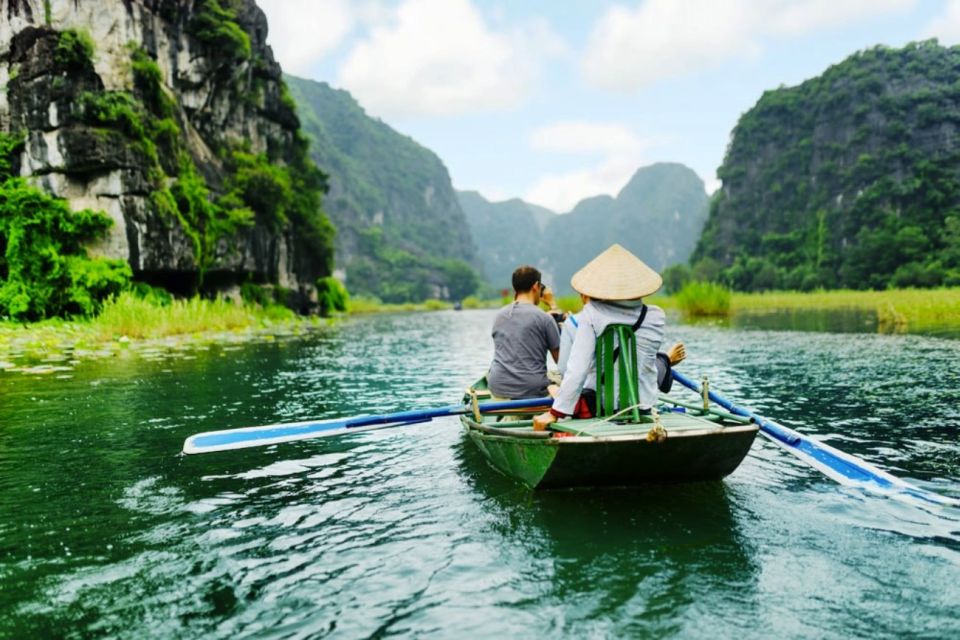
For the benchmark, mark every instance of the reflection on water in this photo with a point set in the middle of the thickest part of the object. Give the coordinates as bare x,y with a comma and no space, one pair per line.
105,530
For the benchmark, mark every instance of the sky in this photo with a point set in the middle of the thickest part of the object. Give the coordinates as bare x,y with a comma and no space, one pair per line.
554,101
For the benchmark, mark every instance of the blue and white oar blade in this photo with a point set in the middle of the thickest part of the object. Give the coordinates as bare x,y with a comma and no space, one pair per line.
246,437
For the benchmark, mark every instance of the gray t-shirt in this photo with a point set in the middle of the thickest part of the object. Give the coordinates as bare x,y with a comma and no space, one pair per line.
522,335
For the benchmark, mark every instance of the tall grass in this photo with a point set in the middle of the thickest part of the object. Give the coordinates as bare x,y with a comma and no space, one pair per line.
704,299
364,304
133,317
896,309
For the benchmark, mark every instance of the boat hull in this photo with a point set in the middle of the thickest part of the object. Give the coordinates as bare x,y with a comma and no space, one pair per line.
710,453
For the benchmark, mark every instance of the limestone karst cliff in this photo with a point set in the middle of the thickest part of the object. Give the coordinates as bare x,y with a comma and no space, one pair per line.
172,117
850,179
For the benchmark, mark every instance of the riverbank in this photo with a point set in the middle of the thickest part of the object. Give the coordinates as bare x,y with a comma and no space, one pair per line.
897,310
130,324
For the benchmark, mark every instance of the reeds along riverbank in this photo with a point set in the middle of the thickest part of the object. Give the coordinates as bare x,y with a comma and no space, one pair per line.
362,305
896,309
127,321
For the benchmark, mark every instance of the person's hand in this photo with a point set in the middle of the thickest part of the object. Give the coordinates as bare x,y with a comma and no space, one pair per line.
676,353
547,297
542,421
553,390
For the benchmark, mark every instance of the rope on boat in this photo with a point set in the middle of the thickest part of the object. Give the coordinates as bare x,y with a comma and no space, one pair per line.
656,434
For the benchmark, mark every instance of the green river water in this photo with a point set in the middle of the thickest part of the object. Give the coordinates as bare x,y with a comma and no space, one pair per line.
107,531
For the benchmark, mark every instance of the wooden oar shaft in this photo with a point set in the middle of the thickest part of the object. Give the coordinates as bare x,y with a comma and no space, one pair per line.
833,463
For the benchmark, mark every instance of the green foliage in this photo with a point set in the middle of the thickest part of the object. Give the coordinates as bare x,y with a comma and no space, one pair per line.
399,276
388,186
675,277
257,294
699,299
74,49
216,27
153,295
116,109
333,295
461,278
148,79
122,111
845,180
206,221
262,187
10,148
44,269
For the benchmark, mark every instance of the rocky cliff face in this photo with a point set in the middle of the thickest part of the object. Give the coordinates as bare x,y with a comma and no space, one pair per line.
171,117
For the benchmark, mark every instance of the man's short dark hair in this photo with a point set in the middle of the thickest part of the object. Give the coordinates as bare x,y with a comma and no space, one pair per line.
524,278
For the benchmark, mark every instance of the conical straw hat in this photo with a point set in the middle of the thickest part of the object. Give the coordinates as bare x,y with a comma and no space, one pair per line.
616,274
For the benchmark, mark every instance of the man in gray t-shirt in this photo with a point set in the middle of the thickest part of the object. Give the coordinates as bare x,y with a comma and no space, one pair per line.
523,334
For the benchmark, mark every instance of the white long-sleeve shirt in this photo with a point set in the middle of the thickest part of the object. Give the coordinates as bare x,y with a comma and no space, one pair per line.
581,367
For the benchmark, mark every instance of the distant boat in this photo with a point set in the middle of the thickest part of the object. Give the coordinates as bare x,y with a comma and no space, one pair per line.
680,443
457,306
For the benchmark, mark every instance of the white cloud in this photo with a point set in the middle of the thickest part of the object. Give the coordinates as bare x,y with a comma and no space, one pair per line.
946,26
585,137
301,32
632,47
440,57
560,192
622,154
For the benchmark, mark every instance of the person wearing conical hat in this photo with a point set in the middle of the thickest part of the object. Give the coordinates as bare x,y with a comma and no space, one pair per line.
615,282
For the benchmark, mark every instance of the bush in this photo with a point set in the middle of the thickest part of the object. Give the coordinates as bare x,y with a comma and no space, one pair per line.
333,296
74,49
704,299
217,28
675,277
44,270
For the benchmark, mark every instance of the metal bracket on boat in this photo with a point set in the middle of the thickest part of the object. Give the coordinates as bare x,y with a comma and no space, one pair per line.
705,393
475,404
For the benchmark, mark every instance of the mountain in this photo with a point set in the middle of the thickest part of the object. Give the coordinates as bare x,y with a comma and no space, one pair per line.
657,215
172,118
508,234
401,233
850,179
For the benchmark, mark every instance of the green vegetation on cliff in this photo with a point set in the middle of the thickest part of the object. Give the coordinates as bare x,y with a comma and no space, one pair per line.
401,235
850,179
44,268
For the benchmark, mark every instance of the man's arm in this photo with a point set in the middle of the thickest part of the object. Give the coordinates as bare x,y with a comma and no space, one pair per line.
556,354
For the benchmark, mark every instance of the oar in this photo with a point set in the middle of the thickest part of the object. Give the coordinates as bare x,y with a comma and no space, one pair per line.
227,439
835,464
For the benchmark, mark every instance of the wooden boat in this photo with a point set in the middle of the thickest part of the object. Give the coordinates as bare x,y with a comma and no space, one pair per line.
679,442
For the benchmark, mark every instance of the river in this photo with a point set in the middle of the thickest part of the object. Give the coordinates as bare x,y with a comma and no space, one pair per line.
107,531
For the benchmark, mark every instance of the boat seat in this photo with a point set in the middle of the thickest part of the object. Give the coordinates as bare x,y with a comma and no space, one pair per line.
616,353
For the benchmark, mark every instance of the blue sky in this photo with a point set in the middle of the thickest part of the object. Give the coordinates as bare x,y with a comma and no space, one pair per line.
555,101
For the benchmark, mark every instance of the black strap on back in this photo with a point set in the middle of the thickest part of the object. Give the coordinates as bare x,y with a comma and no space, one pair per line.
636,325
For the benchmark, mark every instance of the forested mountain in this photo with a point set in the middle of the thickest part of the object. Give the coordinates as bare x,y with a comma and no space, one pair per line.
401,234
508,234
850,179
657,215
169,118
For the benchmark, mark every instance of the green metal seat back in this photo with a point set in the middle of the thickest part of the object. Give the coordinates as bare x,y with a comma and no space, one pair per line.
617,361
